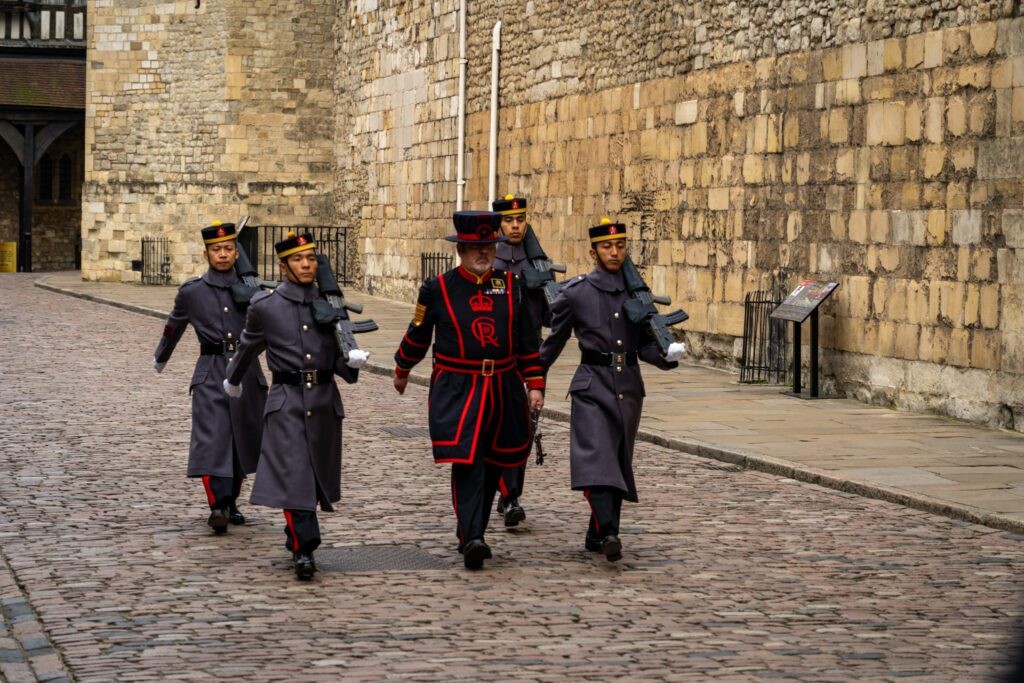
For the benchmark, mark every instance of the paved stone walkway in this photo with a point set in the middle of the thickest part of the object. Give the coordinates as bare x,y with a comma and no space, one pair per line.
928,462
728,574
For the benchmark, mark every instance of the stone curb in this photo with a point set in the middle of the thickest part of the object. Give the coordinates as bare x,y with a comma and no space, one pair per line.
733,456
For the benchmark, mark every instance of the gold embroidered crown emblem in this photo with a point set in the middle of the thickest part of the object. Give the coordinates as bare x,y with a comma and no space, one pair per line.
480,303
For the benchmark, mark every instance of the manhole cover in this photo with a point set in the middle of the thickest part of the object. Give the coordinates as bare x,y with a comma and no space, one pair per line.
407,432
378,558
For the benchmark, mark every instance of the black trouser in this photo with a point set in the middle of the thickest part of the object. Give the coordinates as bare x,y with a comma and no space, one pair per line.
222,492
510,485
302,529
473,489
605,511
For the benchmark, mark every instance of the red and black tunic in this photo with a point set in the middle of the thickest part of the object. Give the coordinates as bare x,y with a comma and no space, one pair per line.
485,351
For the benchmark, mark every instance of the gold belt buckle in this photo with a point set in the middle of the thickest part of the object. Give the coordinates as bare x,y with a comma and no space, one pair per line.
488,367
620,358
309,377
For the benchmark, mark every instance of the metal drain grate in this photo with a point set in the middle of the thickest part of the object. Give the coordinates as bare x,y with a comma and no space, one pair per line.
378,558
407,432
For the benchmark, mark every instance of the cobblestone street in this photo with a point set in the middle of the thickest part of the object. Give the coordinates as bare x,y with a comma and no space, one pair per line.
112,574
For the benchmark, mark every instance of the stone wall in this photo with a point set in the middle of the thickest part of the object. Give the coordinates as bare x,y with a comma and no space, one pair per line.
748,144
888,160
196,114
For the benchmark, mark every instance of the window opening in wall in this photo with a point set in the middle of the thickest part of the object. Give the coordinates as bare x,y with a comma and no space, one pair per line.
46,179
64,178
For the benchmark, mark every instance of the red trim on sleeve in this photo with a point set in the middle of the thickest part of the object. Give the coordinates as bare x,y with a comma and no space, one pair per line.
401,373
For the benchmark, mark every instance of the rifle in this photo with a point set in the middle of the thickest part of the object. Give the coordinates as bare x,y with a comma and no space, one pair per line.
537,436
541,273
640,308
242,292
331,308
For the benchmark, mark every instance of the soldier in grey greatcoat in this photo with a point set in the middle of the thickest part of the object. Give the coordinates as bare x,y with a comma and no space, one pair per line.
300,462
510,256
607,390
225,444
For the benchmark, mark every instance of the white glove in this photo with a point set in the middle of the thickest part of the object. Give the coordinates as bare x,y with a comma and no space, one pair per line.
159,367
675,351
232,390
357,358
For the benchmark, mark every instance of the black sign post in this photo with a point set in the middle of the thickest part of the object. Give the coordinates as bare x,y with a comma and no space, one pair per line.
801,303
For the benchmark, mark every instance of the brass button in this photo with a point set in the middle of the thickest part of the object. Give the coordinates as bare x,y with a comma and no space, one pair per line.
618,368
309,413
305,328
309,385
615,315
618,342
229,335
620,397
225,309
309,356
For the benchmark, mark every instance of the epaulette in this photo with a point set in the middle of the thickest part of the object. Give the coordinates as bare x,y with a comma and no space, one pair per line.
573,281
260,296
190,281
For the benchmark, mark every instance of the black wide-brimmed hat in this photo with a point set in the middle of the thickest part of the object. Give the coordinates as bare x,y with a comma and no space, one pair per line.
476,227
218,232
293,244
608,231
510,205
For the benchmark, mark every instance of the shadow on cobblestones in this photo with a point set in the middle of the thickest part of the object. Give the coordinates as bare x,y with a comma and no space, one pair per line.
734,575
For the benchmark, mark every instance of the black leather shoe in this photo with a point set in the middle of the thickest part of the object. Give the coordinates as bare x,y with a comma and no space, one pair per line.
611,548
592,544
218,519
474,554
487,550
236,517
501,505
304,566
514,513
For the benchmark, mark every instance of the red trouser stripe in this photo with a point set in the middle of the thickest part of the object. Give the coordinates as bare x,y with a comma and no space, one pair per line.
209,490
290,523
502,488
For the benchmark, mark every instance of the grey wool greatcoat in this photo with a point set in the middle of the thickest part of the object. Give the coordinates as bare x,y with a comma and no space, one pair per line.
512,258
217,421
606,400
300,462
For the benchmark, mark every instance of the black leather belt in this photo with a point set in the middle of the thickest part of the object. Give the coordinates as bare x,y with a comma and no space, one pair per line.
299,377
607,358
218,348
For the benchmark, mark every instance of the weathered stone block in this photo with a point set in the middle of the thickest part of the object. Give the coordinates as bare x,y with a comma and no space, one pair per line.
686,112
933,53
983,38
956,116
966,226
1001,158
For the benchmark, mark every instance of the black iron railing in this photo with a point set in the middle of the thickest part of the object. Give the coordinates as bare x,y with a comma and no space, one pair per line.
156,261
258,242
435,263
764,341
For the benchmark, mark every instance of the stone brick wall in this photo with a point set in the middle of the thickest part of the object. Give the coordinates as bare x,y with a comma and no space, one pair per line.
748,144
196,114
886,160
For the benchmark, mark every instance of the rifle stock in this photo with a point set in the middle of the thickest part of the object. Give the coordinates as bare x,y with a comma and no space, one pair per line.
641,311
242,292
345,328
541,272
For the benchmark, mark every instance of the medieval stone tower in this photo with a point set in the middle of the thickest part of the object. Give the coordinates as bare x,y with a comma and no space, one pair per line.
752,144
